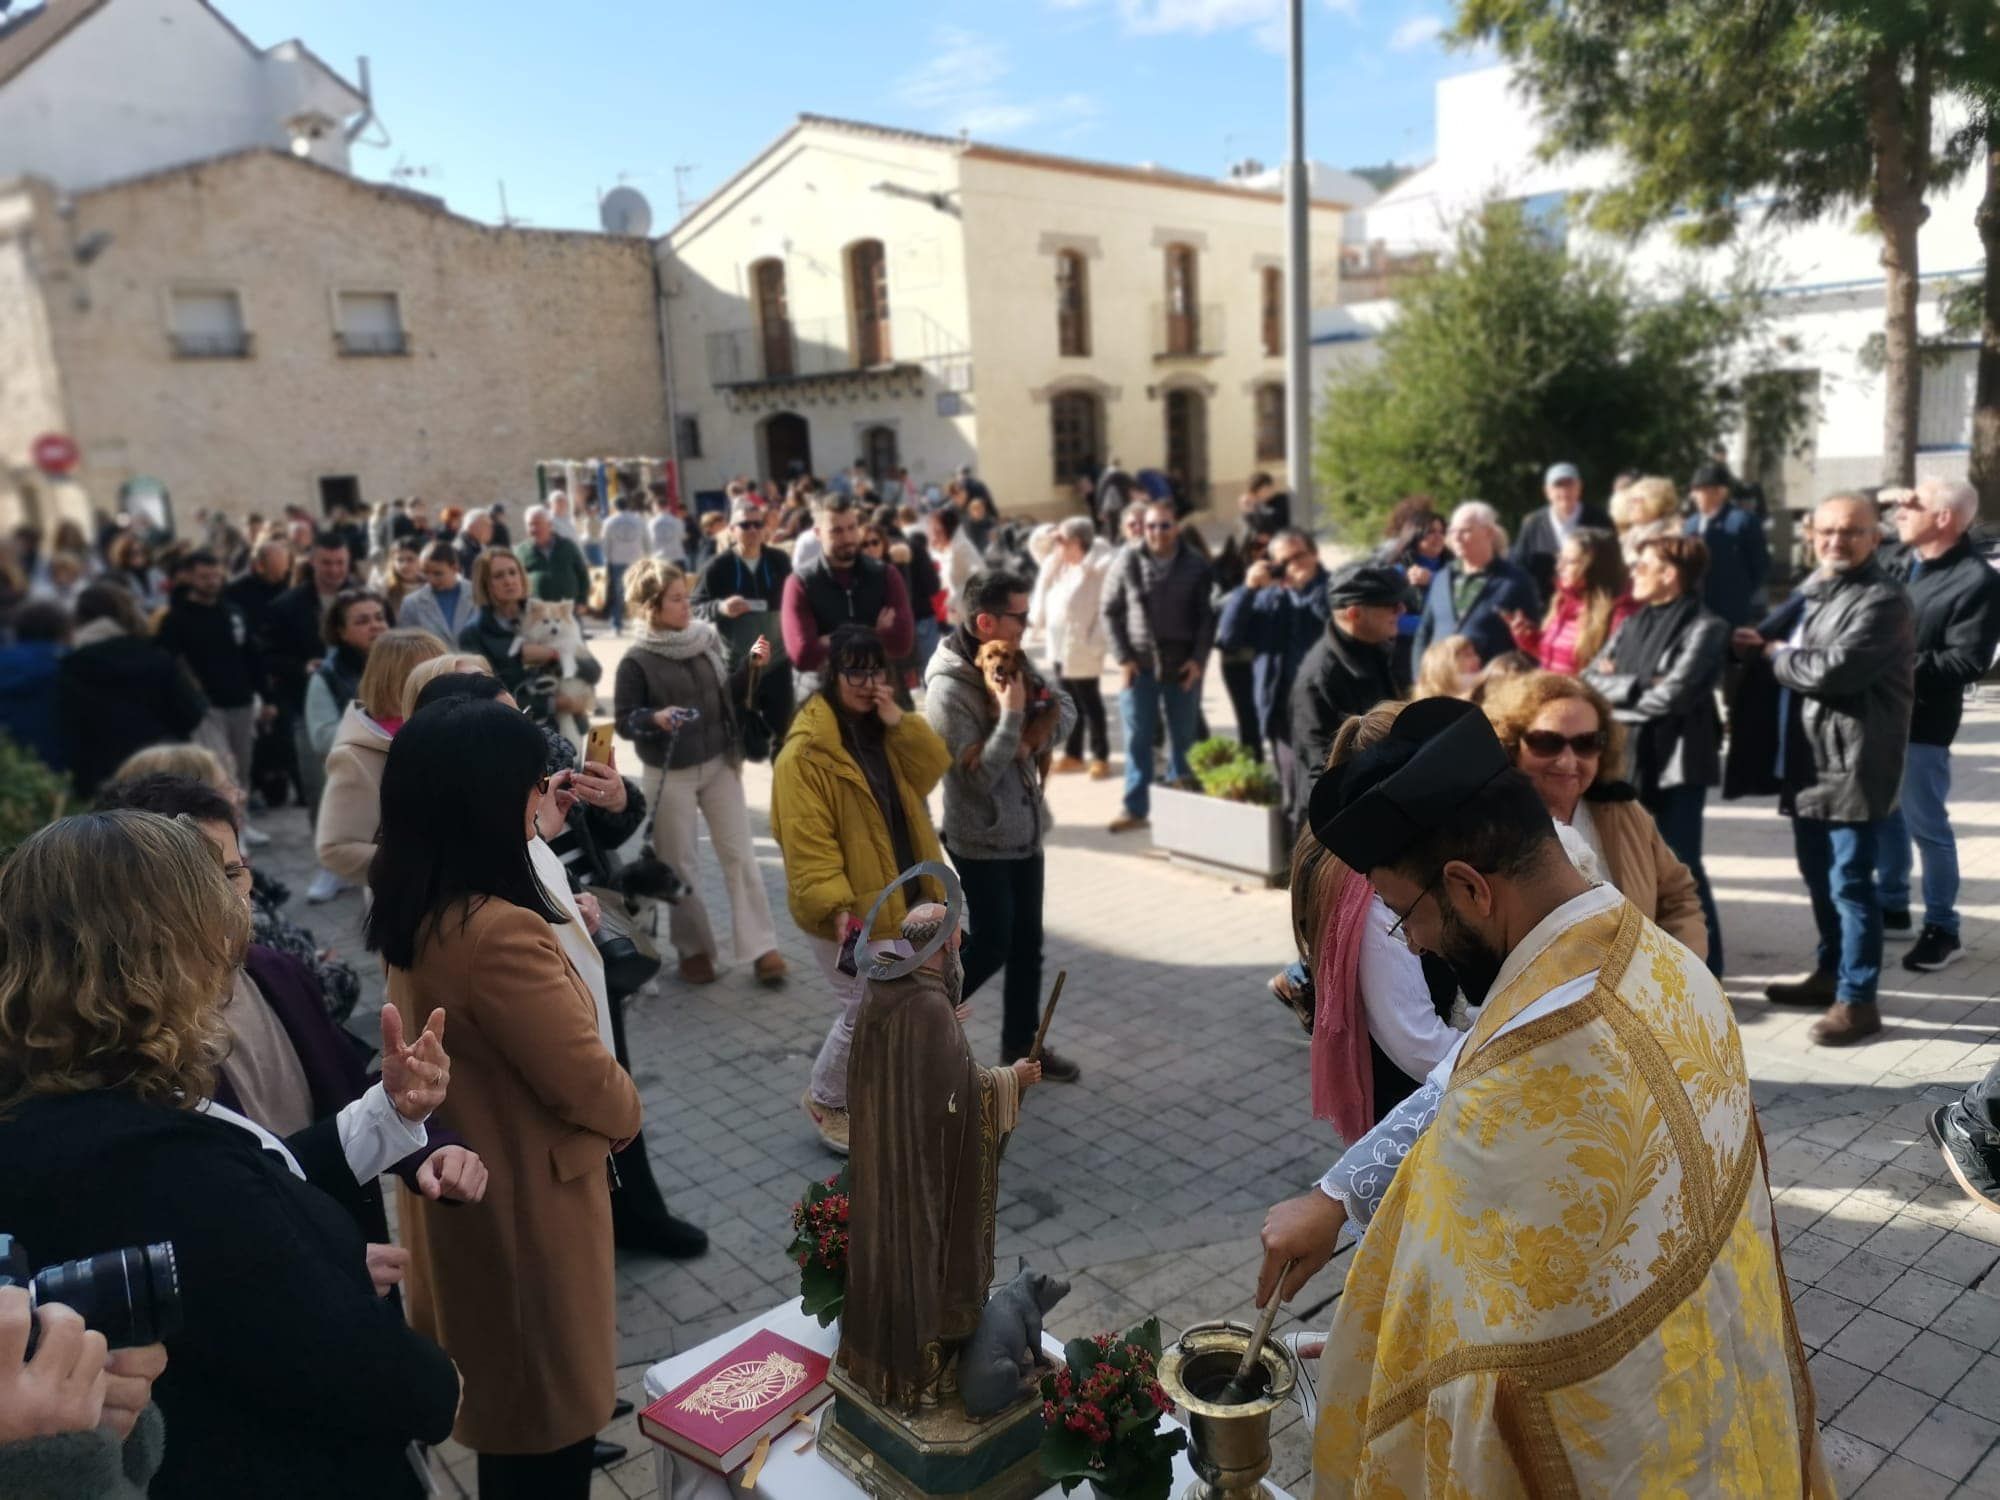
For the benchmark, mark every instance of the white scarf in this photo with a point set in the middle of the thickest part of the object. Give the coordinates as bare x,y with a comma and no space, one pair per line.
697,639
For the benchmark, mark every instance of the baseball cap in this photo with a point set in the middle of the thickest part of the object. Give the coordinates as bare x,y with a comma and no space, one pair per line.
1558,473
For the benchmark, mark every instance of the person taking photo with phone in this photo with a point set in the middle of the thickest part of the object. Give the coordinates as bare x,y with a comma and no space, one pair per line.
848,810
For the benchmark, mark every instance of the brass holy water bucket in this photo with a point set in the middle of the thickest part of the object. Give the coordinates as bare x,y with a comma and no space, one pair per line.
1229,1446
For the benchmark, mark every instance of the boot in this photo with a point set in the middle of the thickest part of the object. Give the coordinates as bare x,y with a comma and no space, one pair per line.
1817,988
639,1217
698,968
1845,1023
770,969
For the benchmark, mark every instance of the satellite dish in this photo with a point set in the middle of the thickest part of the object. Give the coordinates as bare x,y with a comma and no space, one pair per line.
624,210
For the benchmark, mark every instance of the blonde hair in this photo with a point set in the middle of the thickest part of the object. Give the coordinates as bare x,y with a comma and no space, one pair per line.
390,661
647,582
1512,704
482,573
1437,671
424,673
196,762
121,937
1649,499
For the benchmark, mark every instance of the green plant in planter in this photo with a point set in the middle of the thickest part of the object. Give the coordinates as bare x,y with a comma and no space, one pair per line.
1101,1417
31,795
1214,754
1242,781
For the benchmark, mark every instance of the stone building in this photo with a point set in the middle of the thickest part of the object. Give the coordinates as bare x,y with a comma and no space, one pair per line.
257,330
861,293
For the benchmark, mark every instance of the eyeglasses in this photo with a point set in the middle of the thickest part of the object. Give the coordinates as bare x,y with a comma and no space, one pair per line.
1429,886
1009,614
1548,744
749,525
858,677
873,541
1842,533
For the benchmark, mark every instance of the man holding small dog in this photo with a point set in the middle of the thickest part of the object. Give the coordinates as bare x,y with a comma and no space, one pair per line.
996,726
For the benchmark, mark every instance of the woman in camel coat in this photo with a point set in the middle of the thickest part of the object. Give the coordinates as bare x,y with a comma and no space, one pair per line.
519,1288
351,804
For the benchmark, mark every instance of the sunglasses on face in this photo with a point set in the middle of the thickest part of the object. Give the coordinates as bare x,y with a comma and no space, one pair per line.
749,525
1548,744
1160,525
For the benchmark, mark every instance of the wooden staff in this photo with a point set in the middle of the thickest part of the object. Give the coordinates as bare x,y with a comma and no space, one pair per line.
1041,1035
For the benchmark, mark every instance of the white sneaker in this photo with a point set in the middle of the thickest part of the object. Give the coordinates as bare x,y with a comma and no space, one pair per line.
253,838
325,886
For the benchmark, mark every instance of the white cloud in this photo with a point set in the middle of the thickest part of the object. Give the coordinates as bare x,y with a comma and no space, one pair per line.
961,88
964,63
1199,17
1418,31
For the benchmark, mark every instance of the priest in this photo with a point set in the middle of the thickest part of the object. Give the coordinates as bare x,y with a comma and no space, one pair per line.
1569,1280
926,1123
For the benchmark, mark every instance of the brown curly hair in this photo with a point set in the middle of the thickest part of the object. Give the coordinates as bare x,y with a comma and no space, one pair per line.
121,937
1511,704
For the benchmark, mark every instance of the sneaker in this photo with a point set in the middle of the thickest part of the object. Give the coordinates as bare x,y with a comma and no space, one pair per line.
1817,988
1055,1067
1066,765
1127,823
325,886
831,1123
1933,949
1845,1023
1896,919
253,838
1962,1156
1100,770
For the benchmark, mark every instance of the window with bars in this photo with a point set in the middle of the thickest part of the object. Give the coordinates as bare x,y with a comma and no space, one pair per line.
207,323
369,323
1270,423
774,319
1074,429
868,286
1072,304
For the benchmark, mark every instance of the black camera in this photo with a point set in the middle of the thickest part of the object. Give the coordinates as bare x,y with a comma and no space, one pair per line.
131,1296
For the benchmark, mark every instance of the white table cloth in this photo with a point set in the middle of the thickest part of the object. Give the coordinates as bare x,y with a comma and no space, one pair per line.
789,1474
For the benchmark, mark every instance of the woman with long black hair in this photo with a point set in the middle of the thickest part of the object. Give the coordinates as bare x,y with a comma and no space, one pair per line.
463,925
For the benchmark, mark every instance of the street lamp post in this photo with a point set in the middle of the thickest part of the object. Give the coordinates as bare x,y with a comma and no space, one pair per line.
1298,283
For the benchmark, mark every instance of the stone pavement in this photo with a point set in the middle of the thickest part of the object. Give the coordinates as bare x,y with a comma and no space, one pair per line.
1146,1184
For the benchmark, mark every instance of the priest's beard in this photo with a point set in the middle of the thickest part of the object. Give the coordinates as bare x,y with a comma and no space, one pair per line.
952,970
1475,961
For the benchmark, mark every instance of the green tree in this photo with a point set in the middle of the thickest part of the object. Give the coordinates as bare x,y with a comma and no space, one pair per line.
1515,352
1805,107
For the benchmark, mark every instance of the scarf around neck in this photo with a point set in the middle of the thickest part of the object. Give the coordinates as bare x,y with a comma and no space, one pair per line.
696,638
1343,1077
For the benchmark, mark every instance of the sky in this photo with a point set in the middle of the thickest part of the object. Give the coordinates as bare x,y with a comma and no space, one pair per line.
564,101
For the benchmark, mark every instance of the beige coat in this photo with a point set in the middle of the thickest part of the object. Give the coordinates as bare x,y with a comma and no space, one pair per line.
1647,873
350,809
519,1288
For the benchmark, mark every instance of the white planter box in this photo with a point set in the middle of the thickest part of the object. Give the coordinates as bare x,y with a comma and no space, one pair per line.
1226,838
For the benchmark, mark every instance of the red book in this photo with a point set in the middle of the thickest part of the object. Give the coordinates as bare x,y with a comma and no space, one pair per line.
717,1416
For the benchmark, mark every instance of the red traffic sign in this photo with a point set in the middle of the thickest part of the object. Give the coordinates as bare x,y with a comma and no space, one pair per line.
56,453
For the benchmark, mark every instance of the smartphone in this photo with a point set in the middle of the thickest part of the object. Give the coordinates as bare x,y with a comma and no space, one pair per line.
758,604
846,963
598,746
681,716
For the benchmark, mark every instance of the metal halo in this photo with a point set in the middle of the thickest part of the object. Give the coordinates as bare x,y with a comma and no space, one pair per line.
895,967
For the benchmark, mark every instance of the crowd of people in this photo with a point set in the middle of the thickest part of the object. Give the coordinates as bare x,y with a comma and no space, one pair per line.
428,695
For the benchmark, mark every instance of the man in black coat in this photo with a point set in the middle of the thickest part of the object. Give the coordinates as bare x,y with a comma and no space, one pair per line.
1956,596
1349,670
211,636
1544,532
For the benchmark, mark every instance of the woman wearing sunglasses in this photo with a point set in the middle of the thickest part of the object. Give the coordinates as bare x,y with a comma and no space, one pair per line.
1560,731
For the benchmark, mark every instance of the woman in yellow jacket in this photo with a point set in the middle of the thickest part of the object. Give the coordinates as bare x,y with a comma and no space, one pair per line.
848,810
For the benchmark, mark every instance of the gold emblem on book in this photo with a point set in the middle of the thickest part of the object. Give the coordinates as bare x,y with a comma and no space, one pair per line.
750,1386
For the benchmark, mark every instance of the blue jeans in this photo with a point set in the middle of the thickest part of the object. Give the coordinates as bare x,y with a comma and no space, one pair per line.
1678,812
1138,710
614,593
1838,863
1921,816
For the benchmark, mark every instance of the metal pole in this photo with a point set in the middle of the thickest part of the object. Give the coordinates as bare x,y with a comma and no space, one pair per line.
1298,285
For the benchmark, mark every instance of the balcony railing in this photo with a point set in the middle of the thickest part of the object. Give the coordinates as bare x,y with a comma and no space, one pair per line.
392,341
211,345
1187,333
813,348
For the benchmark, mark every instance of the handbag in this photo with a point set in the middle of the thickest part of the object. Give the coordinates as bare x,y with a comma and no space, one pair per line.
630,959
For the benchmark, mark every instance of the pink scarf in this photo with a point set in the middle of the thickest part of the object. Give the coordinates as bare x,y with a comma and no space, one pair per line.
1343,1076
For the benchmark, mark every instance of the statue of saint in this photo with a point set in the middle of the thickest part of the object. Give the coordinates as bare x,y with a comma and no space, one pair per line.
926,1124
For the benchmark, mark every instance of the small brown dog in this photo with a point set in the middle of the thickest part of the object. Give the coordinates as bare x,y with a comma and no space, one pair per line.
998,663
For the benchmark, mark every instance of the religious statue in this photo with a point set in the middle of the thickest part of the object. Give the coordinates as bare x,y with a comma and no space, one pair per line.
927,1124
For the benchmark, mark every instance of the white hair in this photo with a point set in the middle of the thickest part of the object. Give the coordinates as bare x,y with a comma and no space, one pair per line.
1953,495
1479,513
538,510
1077,529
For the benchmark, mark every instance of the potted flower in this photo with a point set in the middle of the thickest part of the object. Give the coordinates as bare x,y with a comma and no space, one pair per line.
819,1245
1101,1411
1233,824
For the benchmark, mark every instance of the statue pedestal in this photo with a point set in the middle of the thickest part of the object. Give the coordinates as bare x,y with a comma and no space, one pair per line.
937,1454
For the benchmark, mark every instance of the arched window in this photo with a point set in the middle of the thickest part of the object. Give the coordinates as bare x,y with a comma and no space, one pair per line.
1273,306
868,292
1183,301
1072,304
1074,429
774,322
1271,423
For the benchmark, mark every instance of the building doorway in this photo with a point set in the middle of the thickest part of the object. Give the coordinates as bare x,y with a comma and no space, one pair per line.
1187,448
878,452
338,491
787,446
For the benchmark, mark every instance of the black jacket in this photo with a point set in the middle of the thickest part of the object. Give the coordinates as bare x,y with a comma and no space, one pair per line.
1957,603
215,642
289,1376
117,696
1677,730
1339,678
1536,547
296,634
1163,627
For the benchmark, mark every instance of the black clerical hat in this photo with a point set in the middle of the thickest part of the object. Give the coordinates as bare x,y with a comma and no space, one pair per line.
1441,753
1369,583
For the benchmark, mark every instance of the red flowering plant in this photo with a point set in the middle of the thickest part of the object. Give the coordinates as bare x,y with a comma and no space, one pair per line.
1101,1411
819,1246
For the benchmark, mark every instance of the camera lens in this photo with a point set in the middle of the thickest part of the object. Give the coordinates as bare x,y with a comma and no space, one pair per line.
131,1296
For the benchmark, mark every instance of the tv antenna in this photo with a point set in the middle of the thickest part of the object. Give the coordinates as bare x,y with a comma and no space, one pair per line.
682,171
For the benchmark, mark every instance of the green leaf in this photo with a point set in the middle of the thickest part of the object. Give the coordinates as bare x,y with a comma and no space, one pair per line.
1082,1356
1064,1452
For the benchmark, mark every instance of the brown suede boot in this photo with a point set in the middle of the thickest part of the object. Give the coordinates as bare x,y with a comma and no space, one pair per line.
698,968
770,969
1845,1023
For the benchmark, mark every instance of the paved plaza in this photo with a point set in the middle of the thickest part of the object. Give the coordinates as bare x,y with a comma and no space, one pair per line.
1146,1184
